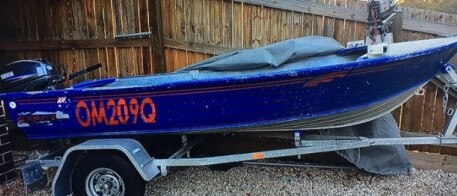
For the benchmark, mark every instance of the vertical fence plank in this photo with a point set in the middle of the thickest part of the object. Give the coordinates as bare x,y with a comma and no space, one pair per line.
439,118
276,26
351,25
31,21
267,27
189,18
318,26
92,33
181,59
179,21
340,28
216,30
22,22
429,110
99,16
227,22
416,112
397,113
90,18
166,19
206,27
143,55
256,28
198,21
169,57
237,27
329,23
247,25
406,116
156,28
121,28
286,28
111,30
191,57
307,24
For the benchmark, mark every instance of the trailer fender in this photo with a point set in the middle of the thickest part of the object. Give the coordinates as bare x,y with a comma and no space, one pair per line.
132,149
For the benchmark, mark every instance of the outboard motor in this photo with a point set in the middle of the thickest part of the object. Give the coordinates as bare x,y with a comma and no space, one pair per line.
34,75
384,21
31,75
25,75
380,20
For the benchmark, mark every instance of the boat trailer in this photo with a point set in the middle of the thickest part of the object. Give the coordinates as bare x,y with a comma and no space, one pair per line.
148,167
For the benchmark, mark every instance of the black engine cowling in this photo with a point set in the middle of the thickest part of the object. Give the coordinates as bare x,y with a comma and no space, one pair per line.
36,75
26,75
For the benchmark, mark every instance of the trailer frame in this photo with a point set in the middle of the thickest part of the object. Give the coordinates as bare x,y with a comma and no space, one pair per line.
148,167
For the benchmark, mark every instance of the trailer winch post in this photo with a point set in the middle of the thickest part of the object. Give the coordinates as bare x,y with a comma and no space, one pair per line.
451,124
451,78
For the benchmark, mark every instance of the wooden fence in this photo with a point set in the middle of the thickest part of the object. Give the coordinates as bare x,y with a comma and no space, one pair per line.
78,33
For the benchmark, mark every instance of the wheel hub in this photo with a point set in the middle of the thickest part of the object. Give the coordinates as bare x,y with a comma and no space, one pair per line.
104,182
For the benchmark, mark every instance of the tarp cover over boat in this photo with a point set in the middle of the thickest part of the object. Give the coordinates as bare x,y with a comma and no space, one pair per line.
384,160
273,55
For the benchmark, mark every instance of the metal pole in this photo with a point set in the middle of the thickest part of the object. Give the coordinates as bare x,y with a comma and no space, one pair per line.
317,147
133,35
451,124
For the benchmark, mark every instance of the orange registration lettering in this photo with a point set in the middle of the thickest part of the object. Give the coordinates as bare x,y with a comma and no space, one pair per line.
82,108
134,109
117,112
122,111
148,118
98,115
112,107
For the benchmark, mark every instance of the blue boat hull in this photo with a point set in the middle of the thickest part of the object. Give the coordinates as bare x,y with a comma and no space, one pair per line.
205,105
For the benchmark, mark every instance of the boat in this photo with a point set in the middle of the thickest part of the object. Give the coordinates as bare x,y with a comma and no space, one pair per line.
280,87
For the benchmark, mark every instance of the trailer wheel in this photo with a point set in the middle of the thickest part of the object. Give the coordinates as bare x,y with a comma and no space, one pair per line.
106,174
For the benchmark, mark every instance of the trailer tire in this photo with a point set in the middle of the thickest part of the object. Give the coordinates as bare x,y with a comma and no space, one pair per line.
105,173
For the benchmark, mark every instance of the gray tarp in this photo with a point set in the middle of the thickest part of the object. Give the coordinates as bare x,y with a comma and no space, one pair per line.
384,160
273,55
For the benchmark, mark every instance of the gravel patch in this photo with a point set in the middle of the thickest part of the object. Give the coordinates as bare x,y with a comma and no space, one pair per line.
266,180
274,180
16,187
